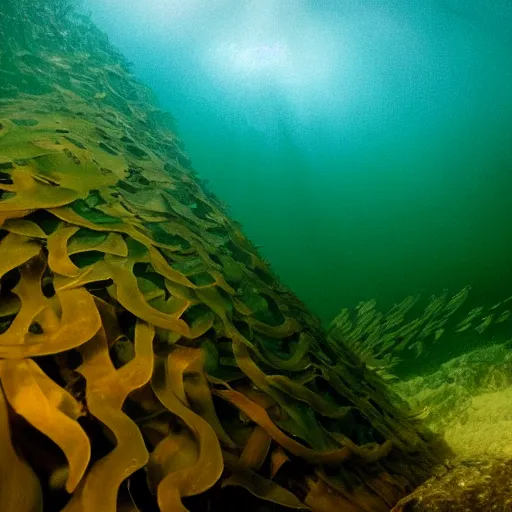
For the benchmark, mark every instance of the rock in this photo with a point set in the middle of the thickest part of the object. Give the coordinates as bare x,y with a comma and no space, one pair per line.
479,485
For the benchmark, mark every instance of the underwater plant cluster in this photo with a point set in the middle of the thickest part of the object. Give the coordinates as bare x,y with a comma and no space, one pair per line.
149,358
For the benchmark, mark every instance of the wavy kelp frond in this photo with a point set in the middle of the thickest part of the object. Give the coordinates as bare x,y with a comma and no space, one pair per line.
50,409
208,466
21,490
99,488
149,358
379,338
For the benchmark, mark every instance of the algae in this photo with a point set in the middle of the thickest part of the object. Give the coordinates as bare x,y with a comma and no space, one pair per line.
151,358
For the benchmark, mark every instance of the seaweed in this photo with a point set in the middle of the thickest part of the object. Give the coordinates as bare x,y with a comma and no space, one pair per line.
141,332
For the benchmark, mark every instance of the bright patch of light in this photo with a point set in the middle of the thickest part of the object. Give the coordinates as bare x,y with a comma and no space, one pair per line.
249,59
301,71
248,54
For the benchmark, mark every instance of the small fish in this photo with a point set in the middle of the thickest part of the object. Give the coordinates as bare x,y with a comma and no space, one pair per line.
462,327
438,333
373,338
342,321
395,316
435,305
388,377
420,414
369,322
471,316
505,315
456,301
402,341
418,345
432,326
363,308
393,321
411,327
485,324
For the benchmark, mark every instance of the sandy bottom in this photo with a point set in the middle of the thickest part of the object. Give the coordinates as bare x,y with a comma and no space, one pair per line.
488,429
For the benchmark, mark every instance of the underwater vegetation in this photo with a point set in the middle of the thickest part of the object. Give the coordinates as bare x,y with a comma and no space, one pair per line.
149,358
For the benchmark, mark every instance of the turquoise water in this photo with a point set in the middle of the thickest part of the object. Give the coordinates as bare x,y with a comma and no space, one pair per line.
366,146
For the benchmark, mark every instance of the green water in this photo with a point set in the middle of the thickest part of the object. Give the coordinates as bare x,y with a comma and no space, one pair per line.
366,146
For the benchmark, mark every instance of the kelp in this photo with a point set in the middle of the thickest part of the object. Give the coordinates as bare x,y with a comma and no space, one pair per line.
207,468
21,490
50,409
99,488
141,334
264,489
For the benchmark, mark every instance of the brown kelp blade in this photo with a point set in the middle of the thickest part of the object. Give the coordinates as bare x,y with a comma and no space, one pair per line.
261,417
20,490
264,489
50,409
100,487
208,467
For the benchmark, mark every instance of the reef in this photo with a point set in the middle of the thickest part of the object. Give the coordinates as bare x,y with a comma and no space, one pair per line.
469,486
149,358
